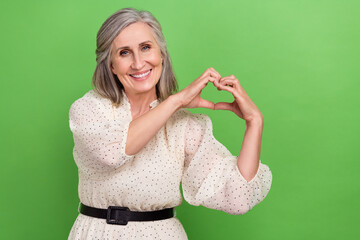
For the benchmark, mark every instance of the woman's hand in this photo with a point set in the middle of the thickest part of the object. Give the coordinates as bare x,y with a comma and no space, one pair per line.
190,97
242,105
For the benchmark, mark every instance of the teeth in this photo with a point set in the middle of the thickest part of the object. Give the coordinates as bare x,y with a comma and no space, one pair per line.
140,75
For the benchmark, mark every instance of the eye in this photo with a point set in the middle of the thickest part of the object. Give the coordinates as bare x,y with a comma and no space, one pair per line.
146,47
124,52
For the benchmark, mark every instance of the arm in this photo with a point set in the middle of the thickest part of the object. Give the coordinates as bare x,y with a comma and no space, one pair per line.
143,128
243,106
211,175
249,157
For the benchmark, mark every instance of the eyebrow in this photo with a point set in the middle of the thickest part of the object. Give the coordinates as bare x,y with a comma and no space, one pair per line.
129,47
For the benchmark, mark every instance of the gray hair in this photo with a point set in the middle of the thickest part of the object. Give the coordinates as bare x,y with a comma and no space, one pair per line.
104,81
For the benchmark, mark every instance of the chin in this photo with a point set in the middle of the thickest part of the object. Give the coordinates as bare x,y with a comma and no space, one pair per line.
144,88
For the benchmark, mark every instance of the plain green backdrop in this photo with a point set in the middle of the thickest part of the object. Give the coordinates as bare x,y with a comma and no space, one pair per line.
297,60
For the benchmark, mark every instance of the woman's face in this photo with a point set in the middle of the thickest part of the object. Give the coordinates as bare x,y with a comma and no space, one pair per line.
136,58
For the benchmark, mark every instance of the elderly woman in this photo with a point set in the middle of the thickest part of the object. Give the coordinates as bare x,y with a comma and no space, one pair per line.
135,142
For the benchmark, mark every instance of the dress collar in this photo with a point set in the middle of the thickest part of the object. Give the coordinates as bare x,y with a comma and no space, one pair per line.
126,100
154,103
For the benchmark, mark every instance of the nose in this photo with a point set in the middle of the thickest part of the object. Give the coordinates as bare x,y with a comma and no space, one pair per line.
138,61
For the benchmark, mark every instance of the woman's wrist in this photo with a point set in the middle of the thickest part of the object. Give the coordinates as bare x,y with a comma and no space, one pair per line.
256,121
175,101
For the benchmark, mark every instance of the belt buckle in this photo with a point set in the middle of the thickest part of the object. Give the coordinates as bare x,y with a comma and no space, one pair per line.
125,217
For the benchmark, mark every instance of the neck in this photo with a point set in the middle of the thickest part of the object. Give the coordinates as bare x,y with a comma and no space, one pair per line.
140,102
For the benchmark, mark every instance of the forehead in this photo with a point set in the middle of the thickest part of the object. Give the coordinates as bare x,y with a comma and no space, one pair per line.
133,35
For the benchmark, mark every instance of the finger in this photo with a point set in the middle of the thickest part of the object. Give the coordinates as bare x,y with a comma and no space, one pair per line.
223,106
227,82
211,72
236,85
213,79
198,85
217,78
217,83
216,73
207,79
206,72
206,104
230,82
230,77
228,89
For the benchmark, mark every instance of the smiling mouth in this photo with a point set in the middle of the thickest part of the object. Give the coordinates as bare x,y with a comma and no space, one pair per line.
142,75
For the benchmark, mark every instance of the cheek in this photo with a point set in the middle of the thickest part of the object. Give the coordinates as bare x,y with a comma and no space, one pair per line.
120,67
156,59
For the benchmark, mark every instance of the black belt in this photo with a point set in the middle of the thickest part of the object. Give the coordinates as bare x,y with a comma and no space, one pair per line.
121,215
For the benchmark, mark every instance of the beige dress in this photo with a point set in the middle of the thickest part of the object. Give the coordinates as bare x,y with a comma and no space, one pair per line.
184,150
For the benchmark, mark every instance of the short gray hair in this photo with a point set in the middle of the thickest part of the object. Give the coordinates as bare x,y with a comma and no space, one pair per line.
104,81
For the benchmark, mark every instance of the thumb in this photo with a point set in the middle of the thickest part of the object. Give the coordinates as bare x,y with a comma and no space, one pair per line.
223,106
206,104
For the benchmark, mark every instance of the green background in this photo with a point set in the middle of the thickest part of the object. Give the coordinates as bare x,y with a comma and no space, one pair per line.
297,60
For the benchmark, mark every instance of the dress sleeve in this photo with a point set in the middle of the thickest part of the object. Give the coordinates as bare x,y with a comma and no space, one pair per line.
211,177
99,137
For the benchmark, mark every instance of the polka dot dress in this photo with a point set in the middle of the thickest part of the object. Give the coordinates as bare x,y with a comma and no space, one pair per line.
184,150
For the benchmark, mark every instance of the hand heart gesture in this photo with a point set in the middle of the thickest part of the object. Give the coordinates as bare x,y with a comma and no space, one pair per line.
242,105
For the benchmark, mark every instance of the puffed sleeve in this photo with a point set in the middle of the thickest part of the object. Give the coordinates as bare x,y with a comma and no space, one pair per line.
211,177
99,137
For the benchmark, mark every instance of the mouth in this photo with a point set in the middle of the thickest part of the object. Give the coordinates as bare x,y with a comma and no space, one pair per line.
141,75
